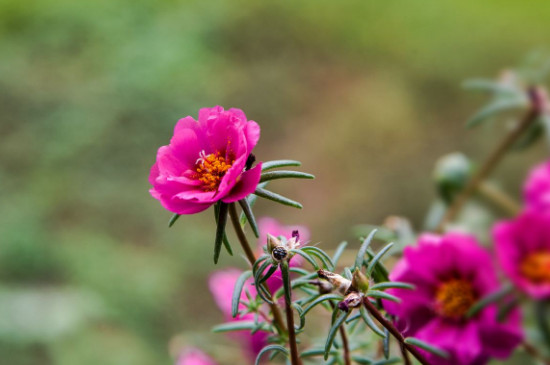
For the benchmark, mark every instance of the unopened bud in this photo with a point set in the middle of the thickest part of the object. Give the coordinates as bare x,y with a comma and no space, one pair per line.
324,286
279,253
272,242
360,281
352,300
339,283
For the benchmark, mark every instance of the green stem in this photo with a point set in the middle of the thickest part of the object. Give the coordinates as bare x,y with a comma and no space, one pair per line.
295,359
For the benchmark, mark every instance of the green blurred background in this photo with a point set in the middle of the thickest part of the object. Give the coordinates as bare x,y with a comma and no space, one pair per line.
366,94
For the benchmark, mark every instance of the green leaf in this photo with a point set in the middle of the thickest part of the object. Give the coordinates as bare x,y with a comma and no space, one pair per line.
370,322
220,230
380,273
338,253
173,220
377,258
279,163
386,343
274,175
306,256
355,317
235,300
392,285
300,310
494,108
393,360
382,295
362,360
319,300
489,299
262,292
235,326
225,240
333,330
268,274
316,352
426,346
247,210
505,309
251,199
277,198
268,348
363,250
325,259
490,86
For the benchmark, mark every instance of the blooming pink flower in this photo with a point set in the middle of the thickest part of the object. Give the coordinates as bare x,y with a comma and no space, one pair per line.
537,188
451,273
194,356
205,161
523,249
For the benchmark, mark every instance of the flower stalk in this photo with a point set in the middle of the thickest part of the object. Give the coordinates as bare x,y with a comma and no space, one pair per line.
294,357
538,105
277,317
394,331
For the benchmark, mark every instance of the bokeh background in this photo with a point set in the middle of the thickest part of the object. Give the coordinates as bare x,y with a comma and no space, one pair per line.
365,93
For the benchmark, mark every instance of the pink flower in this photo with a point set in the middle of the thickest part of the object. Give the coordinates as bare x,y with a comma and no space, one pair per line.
194,356
523,249
537,188
222,284
451,273
205,162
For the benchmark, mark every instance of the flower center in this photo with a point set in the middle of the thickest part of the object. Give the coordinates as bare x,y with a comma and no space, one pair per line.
211,168
454,298
536,267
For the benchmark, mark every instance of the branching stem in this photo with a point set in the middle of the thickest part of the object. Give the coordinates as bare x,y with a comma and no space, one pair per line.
538,101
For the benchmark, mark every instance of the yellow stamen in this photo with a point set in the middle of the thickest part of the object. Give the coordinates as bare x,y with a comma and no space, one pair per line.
211,169
536,267
454,298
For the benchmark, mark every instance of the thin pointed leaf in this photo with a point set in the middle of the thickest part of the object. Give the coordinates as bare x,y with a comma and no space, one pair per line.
319,300
274,175
306,256
386,343
355,317
380,273
338,253
220,231
362,360
383,295
225,240
325,259
489,86
333,330
268,348
426,346
277,198
370,322
300,271
173,220
279,163
393,360
258,262
316,352
347,273
377,258
300,310
494,108
489,299
251,199
392,285
262,292
363,250
237,292
235,326
268,274
247,210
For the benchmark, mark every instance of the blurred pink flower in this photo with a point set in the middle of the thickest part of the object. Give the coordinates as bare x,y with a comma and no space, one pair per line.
205,161
537,188
194,356
273,227
451,273
523,249
221,284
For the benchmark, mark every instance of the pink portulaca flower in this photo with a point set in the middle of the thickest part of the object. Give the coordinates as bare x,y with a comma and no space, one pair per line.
194,356
221,285
451,273
537,188
523,249
206,161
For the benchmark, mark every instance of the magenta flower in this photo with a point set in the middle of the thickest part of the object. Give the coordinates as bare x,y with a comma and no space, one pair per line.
205,162
451,273
537,188
221,285
194,356
523,250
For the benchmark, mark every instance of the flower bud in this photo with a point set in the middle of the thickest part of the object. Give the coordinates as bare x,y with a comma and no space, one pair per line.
279,253
360,281
339,283
272,242
451,173
352,300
